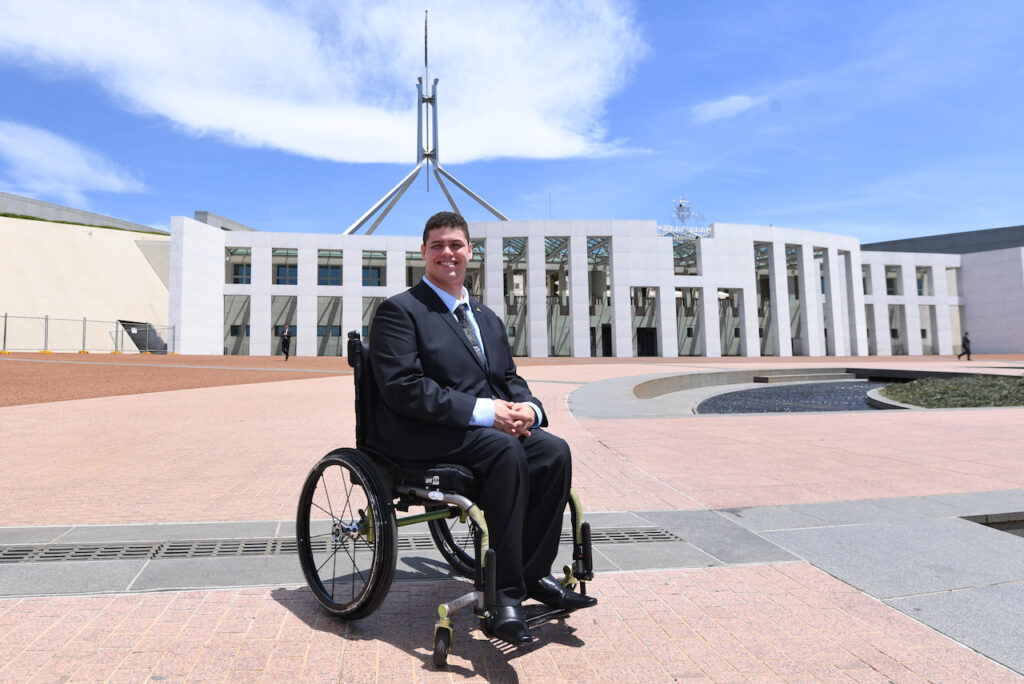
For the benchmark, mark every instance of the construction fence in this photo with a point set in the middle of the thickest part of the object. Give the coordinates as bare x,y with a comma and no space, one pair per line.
35,333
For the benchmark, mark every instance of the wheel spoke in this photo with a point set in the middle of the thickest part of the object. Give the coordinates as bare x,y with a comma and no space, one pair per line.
348,529
326,494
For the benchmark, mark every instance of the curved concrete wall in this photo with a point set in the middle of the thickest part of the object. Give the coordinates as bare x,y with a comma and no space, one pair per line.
75,272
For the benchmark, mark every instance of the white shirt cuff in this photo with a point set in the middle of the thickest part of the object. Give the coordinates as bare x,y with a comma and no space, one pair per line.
537,412
483,413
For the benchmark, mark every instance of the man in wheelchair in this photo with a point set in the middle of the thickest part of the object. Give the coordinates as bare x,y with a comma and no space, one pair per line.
449,393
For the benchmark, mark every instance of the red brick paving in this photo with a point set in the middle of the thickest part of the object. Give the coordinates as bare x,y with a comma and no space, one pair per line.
240,452
770,623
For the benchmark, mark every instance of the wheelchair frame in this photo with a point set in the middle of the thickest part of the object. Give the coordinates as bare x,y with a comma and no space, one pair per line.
347,516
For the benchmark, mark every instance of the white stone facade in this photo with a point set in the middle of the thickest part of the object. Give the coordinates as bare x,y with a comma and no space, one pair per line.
752,290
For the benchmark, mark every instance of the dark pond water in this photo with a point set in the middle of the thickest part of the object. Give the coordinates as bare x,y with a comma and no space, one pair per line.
816,396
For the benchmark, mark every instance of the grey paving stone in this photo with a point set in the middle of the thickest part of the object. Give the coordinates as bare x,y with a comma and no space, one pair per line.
65,578
612,399
170,532
889,560
208,573
602,520
847,512
987,619
420,565
602,563
759,518
979,503
31,535
916,508
719,537
656,555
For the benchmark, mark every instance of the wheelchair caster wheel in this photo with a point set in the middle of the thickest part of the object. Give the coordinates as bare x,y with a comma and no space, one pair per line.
442,646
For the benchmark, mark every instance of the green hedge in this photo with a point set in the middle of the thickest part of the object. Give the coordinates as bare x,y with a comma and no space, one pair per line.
962,392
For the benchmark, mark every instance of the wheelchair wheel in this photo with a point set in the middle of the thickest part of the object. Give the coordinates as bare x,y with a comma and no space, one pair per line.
454,539
347,540
442,646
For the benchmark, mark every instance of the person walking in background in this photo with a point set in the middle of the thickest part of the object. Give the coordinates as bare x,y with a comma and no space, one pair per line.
286,340
965,346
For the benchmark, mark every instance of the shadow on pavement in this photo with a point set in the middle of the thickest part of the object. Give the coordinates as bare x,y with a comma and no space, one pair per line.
406,621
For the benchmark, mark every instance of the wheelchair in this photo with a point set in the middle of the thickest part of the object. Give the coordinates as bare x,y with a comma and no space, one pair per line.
346,526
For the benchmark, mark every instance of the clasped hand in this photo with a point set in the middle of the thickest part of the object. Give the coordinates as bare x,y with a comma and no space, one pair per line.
513,418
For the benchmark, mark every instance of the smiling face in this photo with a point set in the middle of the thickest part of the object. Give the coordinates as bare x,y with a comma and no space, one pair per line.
446,254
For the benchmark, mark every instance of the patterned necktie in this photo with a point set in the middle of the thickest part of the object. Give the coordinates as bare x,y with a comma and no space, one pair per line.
467,327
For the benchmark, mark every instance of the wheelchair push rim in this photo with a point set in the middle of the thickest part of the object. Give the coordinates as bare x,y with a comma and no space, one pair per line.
347,540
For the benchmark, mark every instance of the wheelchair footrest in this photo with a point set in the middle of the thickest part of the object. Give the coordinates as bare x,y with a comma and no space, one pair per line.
537,613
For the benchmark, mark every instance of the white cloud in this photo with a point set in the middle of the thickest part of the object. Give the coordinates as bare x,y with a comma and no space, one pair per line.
42,164
725,108
522,78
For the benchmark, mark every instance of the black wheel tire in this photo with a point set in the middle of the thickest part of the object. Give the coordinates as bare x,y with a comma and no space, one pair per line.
454,539
348,569
442,646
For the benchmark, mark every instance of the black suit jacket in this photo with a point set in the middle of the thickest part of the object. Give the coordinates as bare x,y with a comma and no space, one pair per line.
429,378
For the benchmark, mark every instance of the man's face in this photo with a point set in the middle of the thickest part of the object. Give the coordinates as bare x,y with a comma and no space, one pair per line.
446,255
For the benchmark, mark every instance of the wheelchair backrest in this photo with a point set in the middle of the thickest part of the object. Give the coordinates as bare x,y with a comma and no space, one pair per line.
365,385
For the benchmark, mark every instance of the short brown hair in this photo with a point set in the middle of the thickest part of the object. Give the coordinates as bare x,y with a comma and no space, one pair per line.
446,218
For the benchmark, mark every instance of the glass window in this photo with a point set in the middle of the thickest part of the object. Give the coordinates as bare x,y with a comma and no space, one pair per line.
239,265
329,275
286,274
373,276
893,278
286,268
329,267
374,269
684,256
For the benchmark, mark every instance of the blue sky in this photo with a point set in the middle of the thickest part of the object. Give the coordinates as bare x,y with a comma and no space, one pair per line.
879,119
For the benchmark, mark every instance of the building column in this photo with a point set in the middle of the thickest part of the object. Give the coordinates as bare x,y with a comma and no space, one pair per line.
668,326
622,320
911,309
750,338
710,325
537,295
782,332
943,334
259,303
883,336
855,305
494,276
810,301
352,290
836,343
579,299
883,339
305,304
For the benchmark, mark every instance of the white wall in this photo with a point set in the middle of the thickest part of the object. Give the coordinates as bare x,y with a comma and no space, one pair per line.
910,300
993,293
196,304
70,272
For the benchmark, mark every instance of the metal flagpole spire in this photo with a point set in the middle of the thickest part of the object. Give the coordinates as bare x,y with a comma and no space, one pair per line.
426,121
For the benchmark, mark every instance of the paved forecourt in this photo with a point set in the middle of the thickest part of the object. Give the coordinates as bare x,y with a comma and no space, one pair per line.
732,548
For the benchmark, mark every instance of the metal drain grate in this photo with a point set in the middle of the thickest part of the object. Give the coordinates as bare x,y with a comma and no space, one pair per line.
50,553
627,535
222,548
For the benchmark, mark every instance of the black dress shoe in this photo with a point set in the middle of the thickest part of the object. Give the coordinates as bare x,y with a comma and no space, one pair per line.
507,623
551,593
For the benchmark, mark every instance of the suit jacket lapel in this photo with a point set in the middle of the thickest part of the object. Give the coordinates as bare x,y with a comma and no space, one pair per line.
453,325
